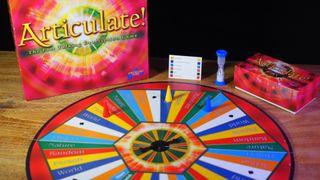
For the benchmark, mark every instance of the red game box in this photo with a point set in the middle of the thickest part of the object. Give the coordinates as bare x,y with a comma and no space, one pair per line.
281,84
68,46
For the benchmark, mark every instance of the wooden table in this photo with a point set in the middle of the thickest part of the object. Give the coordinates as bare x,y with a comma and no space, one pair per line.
20,120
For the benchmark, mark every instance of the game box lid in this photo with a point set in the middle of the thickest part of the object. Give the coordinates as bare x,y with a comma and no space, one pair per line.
281,72
67,46
279,83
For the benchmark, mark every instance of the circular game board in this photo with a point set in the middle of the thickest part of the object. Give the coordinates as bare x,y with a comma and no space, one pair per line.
145,137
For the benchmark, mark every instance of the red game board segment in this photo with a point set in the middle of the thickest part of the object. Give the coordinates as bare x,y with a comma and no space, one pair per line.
74,152
38,170
115,110
195,174
137,176
256,138
106,111
191,100
282,169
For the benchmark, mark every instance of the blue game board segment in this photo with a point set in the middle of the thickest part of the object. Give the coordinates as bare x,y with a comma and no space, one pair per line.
132,103
240,122
218,100
72,170
155,176
222,172
88,116
165,106
215,102
76,139
120,175
180,177
264,155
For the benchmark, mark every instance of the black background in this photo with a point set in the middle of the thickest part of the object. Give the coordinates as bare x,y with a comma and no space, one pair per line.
286,30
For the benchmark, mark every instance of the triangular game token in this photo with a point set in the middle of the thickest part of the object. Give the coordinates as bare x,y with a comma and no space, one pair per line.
208,106
168,95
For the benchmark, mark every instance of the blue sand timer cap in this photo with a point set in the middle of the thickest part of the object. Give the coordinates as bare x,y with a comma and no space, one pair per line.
221,53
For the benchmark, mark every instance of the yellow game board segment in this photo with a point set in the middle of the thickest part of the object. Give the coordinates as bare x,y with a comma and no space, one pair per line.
142,143
58,163
176,105
97,109
174,137
179,149
238,132
206,173
145,154
155,133
164,157
146,176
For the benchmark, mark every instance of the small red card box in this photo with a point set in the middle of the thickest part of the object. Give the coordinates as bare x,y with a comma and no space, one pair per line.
281,84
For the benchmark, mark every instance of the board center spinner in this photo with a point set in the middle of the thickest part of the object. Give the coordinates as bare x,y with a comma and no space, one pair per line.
161,147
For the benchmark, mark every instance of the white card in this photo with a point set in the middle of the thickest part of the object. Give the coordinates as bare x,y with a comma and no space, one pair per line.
185,67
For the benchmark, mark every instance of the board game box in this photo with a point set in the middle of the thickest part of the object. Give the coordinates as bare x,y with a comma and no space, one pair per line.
279,83
65,46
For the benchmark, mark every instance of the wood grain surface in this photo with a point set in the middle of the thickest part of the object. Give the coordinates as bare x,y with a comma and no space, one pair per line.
20,120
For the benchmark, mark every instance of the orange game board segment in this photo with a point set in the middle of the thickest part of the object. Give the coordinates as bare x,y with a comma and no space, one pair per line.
142,99
70,130
172,177
110,173
225,107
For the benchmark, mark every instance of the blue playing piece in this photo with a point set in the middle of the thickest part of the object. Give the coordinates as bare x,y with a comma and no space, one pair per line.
208,106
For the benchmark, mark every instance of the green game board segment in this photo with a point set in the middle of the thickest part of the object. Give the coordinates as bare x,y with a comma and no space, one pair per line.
147,157
178,154
144,139
171,135
128,176
200,104
151,134
251,147
188,176
158,158
161,133
119,101
64,145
